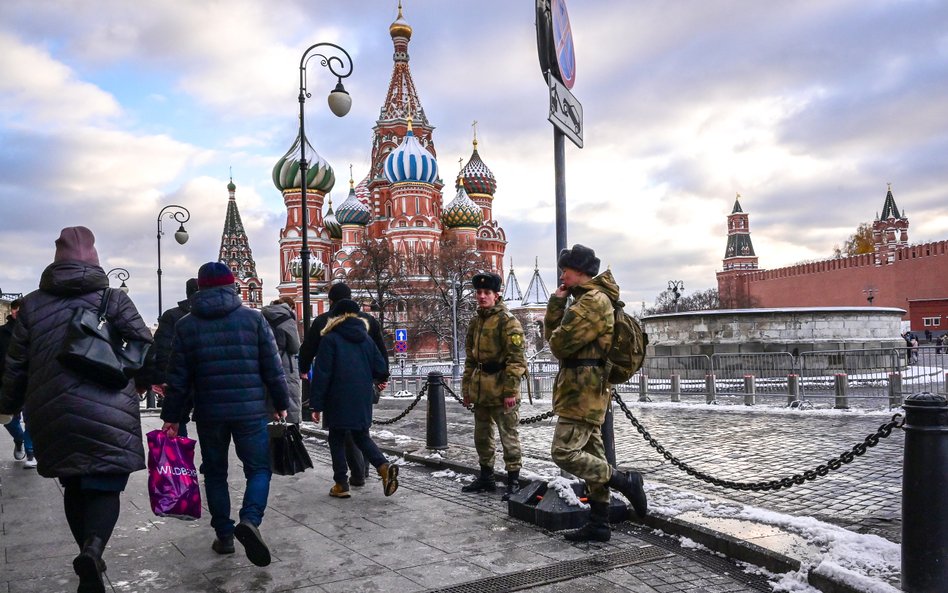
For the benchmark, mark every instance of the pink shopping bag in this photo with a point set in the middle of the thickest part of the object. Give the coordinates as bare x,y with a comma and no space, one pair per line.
172,479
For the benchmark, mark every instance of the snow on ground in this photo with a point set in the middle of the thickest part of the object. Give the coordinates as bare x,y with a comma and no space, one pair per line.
735,409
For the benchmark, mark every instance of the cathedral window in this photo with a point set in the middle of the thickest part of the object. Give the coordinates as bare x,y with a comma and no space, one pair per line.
417,205
419,223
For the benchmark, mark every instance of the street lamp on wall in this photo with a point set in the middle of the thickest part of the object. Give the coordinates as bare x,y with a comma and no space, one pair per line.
180,215
121,274
870,294
676,287
339,103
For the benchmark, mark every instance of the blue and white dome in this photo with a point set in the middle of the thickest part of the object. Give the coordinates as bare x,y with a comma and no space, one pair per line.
410,161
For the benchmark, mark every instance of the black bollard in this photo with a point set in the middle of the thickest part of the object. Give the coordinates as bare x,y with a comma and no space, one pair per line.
924,502
436,433
609,436
150,400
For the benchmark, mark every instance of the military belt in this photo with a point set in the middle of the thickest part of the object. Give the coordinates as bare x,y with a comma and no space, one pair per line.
575,363
491,367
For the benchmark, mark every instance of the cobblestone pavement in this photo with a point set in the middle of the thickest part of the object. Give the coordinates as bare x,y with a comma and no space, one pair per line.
428,537
739,444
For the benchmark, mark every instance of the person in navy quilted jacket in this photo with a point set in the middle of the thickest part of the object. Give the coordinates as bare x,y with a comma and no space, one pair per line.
225,362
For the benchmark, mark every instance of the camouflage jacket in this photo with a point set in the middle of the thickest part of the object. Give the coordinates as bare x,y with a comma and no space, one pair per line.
494,337
582,331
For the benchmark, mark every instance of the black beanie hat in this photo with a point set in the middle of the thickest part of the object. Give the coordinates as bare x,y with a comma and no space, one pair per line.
580,258
339,291
190,287
344,306
488,280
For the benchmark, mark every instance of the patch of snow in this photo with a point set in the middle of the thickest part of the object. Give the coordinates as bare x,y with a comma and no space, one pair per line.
564,488
444,473
853,579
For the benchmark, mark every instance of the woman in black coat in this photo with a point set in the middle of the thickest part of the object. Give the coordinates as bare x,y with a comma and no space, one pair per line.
87,435
348,364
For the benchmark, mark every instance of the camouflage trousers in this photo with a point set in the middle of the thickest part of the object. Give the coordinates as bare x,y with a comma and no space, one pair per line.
577,448
508,423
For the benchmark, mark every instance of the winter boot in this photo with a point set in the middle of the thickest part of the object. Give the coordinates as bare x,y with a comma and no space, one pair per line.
597,529
483,483
224,545
339,490
630,485
389,474
88,565
513,484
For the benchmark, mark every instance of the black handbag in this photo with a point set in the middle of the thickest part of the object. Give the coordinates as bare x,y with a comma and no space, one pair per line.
288,455
93,349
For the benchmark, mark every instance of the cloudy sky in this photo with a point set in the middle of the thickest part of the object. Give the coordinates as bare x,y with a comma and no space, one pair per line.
110,110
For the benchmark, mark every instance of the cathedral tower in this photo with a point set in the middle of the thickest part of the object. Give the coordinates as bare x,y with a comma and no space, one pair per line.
236,254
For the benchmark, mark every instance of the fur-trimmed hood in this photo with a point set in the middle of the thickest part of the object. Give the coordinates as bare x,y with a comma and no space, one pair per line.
350,326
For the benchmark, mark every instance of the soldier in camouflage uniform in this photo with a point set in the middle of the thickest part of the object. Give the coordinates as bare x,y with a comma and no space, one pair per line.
493,368
580,336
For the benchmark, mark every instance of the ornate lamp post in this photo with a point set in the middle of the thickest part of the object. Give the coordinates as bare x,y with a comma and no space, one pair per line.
122,274
181,215
676,287
870,294
339,104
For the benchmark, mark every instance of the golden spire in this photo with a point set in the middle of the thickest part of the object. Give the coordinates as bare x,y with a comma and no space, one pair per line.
409,123
351,180
474,125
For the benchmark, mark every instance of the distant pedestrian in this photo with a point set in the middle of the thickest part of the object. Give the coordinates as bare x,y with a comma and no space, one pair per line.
580,335
494,366
347,366
281,316
22,443
160,353
358,468
913,349
225,363
86,435
928,335
939,343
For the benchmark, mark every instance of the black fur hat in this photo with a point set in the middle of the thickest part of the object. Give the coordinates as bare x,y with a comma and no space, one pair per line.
488,280
344,306
580,258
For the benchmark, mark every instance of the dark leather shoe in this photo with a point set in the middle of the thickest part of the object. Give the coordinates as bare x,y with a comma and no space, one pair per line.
224,545
256,549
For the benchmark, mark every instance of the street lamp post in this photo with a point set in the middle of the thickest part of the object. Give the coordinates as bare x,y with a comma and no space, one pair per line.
339,104
870,294
122,274
180,215
455,357
676,287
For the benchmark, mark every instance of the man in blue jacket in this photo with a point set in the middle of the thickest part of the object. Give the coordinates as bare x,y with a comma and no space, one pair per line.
225,357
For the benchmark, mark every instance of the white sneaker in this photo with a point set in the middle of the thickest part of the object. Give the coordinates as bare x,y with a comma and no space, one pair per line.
30,462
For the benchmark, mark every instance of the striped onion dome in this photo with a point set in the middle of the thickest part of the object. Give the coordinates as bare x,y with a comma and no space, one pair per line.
331,224
410,161
352,211
363,192
286,173
400,28
476,177
462,212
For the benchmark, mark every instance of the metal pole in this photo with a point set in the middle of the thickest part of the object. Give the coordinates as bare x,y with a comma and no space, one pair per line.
455,358
609,436
750,389
793,388
643,387
895,390
842,391
159,266
924,504
436,427
304,222
559,169
676,388
711,388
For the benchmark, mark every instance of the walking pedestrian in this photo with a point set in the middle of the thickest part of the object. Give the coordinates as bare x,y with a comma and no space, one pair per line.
347,366
913,350
939,343
224,363
281,316
580,335
494,365
22,443
358,468
86,435
160,353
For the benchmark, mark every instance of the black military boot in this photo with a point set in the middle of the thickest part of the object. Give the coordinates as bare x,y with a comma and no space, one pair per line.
513,484
483,483
89,566
630,485
597,529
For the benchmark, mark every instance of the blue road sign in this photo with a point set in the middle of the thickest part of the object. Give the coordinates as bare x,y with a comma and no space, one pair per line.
401,335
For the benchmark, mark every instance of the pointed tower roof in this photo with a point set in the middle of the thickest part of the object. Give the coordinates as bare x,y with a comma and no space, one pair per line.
889,209
536,293
476,177
235,249
402,101
512,292
737,205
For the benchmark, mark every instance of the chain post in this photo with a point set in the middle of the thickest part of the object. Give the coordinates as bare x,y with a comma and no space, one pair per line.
924,502
842,391
895,390
436,428
793,388
675,388
643,387
710,388
750,389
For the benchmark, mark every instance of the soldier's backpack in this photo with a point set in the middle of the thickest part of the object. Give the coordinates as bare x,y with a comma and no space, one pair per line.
627,353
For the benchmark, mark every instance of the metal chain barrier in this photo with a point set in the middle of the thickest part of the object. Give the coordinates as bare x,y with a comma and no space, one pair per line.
530,420
410,407
821,470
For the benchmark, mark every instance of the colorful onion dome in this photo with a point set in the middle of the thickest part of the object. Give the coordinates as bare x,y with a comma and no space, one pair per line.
352,211
476,177
331,223
319,176
410,161
400,28
462,212
230,186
